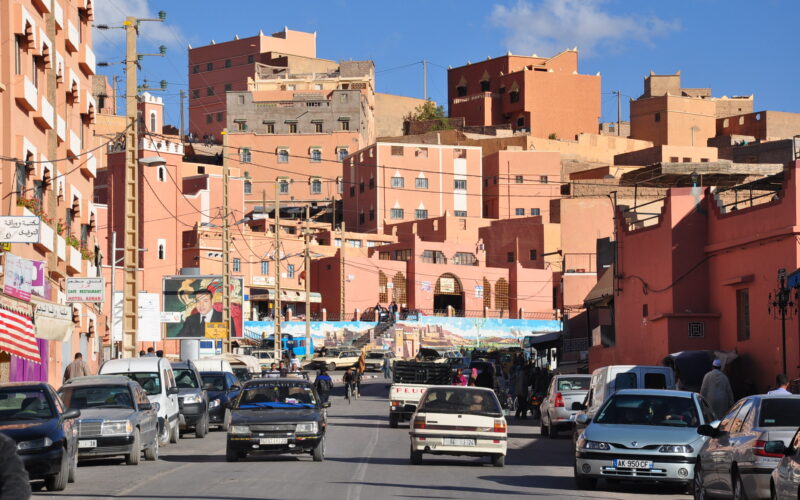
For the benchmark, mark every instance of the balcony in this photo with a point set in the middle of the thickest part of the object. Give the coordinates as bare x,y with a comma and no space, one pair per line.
27,93
61,248
58,14
87,62
61,128
74,147
44,118
42,6
89,166
74,261
46,234
73,41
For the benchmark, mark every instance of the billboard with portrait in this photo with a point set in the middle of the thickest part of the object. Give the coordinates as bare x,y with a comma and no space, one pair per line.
197,301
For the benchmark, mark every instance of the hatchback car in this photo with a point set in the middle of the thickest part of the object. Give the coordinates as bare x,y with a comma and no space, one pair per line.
785,478
32,414
455,420
222,388
734,461
642,435
556,408
192,398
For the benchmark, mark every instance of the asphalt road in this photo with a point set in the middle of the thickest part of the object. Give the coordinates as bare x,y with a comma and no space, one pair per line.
365,460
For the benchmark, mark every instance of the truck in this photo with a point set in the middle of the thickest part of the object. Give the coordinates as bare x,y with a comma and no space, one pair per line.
409,381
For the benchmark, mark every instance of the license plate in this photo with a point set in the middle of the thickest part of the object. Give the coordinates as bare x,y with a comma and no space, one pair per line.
623,463
458,442
87,443
273,441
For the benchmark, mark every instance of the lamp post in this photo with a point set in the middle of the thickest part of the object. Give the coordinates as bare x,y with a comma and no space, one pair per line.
781,306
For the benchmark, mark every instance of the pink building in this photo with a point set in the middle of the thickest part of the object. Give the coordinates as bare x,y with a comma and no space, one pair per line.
388,183
520,183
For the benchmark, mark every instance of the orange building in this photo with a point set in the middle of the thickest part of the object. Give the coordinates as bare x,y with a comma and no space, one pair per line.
546,97
520,183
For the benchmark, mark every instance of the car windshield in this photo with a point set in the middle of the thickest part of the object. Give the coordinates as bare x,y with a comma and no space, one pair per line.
375,355
573,383
150,381
455,400
779,412
276,395
24,404
100,396
213,382
635,409
185,378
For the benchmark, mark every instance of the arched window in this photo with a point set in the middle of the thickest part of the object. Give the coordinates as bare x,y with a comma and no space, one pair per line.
248,187
162,174
383,292
162,249
487,294
152,121
501,295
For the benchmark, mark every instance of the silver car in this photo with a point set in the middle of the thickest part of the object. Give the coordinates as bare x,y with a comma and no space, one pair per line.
734,461
785,478
556,409
641,435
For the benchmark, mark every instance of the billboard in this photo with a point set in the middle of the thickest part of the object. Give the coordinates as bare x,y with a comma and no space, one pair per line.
198,301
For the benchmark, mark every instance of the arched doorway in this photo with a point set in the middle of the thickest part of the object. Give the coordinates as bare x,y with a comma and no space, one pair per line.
448,293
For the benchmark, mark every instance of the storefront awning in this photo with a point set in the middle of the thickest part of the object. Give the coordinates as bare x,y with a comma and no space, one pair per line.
286,296
53,321
16,329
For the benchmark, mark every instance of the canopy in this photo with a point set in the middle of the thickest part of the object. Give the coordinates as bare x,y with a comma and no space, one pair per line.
16,330
53,321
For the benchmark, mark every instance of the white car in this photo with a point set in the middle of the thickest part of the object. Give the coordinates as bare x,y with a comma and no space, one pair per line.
785,478
455,420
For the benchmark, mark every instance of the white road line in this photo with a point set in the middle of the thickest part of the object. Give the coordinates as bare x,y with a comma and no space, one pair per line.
354,490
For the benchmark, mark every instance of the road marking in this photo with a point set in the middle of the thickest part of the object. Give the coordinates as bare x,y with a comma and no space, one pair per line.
150,479
354,490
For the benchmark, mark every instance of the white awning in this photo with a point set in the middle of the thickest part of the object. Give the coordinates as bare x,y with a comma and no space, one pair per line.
52,321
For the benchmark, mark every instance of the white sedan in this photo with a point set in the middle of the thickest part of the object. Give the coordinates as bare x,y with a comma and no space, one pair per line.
455,420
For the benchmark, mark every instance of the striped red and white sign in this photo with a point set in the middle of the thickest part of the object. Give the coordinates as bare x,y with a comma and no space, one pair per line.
17,337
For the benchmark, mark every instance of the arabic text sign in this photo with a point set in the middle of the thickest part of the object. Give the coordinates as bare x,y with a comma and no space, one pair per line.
216,330
19,274
86,289
19,229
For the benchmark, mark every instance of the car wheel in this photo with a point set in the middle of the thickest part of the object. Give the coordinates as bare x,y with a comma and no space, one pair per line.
739,492
319,451
57,482
697,487
226,421
151,453
132,458
231,456
498,460
394,419
331,367
416,458
584,483
73,469
174,434
163,433
201,428
552,430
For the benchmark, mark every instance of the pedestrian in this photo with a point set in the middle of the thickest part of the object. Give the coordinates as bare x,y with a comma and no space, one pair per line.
151,352
459,378
716,390
14,481
282,369
473,378
294,362
521,389
159,353
387,367
393,311
142,353
324,385
782,381
78,368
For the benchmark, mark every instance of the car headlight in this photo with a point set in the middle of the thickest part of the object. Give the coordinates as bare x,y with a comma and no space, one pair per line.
596,445
239,429
676,448
157,406
192,399
213,404
307,428
116,428
35,444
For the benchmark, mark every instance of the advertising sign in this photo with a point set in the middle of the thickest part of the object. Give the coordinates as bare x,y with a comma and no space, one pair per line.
478,291
149,327
216,330
37,282
19,229
19,274
198,300
86,289
447,285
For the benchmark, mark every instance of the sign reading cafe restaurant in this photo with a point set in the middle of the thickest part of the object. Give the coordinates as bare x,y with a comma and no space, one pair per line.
85,289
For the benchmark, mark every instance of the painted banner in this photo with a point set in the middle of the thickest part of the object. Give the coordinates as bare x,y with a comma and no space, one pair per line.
20,229
86,289
19,274
198,300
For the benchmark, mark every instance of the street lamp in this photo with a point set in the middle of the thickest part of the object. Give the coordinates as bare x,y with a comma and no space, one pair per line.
781,307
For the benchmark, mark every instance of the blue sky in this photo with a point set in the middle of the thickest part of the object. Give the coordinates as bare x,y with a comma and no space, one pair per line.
733,46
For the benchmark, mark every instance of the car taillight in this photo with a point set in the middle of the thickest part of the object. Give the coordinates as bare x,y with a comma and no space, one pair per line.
559,400
419,423
758,449
499,425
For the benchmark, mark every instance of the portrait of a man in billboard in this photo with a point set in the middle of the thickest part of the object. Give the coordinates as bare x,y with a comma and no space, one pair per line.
199,300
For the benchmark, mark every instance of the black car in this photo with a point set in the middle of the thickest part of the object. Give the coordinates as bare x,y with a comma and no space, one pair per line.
273,416
222,388
192,398
32,414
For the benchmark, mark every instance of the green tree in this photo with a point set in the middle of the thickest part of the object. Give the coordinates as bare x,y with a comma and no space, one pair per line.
429,111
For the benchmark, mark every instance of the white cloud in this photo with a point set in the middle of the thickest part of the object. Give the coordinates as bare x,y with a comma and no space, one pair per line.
550,26
113,13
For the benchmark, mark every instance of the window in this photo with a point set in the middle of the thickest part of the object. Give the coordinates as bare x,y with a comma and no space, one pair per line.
460,184
292,128
655,381
543,179
519,211
228,87
241,125
196,94
337,243
533,254
397,150
354,243
742,314
485,85
264,267
209,118
535,211
361,187
371,214
513,96
162,251
240,99
352,191
219,117
290,270
196,68
251,59
345,124
372,183
17,54
464,259
421,153
340,185
162,174
209,91
342,154
657,117
316,155
645,311
521,122
237,264
248,187
283,156
210,66
518,179
460,213
35,71
421,183
318,127
201,169
270,128
404,255
283,187
398,182
510,256
317,86
420,214
397,213
316,186
461,90
361,218
227,63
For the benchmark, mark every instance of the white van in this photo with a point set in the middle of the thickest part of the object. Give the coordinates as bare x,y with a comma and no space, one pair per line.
213,364
156,378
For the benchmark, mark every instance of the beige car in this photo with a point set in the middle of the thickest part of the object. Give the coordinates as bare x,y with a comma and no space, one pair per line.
335,359
455,420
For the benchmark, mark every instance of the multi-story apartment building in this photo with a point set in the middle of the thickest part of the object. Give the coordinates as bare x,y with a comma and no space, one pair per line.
520,183
48,159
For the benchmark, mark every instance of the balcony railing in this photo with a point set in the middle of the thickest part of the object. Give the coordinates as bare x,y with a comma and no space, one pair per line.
73,41
44,118
482,95
61,128
27,93
87,62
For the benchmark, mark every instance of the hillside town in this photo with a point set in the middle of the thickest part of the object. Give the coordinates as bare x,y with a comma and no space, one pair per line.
295,211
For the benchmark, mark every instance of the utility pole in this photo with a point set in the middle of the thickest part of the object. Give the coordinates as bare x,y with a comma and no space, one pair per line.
424,79
342,273
114,93
113,287
619,112
278,310
307,264
226,239
130,301
183,96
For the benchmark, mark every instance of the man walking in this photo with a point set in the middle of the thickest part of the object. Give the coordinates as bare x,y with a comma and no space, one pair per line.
324,385
782,382
78,368
716,390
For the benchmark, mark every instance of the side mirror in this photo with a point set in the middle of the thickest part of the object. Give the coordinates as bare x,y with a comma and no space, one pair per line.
71,413
145,406
583,419
775,448
235,388
326,404
172,390
576,406
708,430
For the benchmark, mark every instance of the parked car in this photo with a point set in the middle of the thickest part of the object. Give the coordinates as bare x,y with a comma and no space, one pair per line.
274,416
222,388
32,414
335,358
374,359
734,462
156,378
556,408
192,398
116,418
785,478
213,364
455,420
641,435
265,357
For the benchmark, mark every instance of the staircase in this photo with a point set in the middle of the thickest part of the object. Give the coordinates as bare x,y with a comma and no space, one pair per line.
367,337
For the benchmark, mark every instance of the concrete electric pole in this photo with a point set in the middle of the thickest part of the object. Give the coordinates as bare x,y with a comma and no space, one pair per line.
307,265
277,309
226,243
342,273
